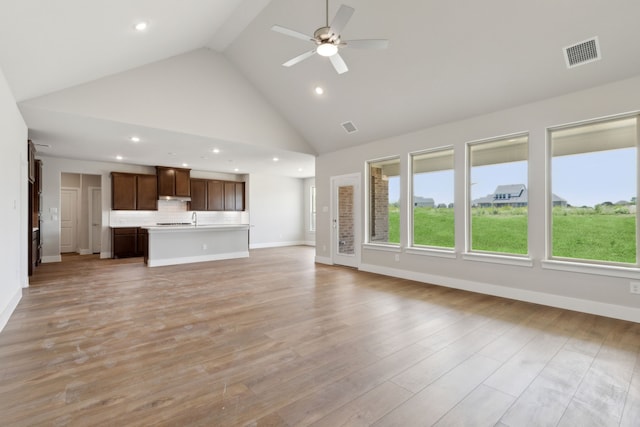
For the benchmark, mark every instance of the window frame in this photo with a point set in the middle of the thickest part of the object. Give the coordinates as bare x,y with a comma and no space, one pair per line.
523,260
580,265
312,209
441,251
368,209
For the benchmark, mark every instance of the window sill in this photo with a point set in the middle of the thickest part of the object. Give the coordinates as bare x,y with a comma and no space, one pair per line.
441,253
599,269
498,259
382,247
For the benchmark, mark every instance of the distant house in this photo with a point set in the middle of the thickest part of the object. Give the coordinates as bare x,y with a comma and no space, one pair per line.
514,195
423,202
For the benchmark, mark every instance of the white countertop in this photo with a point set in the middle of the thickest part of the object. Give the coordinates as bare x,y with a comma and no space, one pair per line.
199,227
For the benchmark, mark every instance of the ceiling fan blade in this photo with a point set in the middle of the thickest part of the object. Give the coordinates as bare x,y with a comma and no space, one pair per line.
299,58
338,63
367,44
291,33
341,18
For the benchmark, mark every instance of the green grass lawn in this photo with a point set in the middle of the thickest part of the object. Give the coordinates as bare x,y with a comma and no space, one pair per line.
577,233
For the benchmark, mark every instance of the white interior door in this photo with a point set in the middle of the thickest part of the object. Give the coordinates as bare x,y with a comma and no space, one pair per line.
95,219
346,240
68,220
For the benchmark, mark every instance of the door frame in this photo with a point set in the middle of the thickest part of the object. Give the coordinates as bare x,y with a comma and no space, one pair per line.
78,204
91,200
354,179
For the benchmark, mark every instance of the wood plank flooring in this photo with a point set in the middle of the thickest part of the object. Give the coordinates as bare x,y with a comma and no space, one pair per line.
276,340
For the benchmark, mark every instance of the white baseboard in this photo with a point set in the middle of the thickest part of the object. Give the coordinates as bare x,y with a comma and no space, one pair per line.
309,243
51,258
85,252
275,245
323,260
104,255
201,258
586,306
9,309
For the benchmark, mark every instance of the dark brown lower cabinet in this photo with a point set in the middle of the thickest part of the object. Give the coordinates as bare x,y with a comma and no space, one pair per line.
125,242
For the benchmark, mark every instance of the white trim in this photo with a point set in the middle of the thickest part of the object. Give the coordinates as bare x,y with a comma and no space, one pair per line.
599,269
201,258
631,314
498,259
52,258
309,243
276,244
383,247
85,252
440,253
105,255
10,308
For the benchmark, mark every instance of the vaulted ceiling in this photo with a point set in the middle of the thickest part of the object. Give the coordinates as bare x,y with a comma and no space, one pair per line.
207,74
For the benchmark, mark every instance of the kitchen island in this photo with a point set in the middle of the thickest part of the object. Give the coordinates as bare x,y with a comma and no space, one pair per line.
183,244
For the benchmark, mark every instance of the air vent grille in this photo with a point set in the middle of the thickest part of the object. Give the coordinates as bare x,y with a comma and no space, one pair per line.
349,127
582,53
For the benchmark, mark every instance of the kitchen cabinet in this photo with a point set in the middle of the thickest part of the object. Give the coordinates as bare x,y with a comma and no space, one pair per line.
146,192
127,242
133,191
198,194
239,202
173,182
215,195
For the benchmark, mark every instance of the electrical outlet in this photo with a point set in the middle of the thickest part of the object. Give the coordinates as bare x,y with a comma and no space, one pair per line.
634,287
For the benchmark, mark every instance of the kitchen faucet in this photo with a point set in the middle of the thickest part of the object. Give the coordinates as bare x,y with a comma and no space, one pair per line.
194,218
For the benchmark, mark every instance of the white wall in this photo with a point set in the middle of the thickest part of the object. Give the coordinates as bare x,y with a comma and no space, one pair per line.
13,204
197,93
276,211
601,294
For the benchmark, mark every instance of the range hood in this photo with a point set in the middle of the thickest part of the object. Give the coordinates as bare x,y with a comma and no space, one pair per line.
175,198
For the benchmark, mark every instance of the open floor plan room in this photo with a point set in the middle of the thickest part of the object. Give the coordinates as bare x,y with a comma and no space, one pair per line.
276,339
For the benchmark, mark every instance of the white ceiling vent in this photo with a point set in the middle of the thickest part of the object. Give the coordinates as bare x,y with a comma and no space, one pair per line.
582,53
349,127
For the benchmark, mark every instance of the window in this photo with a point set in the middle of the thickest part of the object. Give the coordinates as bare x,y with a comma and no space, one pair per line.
593,191
384,201
433,219
312,219
498,180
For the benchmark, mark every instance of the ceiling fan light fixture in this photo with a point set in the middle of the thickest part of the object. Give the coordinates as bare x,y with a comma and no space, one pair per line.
327,49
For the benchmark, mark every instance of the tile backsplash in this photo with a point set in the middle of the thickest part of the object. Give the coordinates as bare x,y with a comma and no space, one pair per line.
173,211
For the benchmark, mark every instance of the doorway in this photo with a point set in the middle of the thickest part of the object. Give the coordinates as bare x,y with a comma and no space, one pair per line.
345,220
68,220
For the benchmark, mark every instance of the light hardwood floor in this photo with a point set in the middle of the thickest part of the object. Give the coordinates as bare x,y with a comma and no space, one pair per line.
276,340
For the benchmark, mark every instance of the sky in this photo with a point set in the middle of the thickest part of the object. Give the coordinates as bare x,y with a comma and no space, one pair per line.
581,179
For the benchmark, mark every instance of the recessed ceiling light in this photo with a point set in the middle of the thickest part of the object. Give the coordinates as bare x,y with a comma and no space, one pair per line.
184,165
215,150
236,170
141,26
119,157
318,90
299,169
135,139
275,159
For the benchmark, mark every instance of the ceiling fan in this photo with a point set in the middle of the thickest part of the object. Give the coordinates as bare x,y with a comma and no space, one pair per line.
327,40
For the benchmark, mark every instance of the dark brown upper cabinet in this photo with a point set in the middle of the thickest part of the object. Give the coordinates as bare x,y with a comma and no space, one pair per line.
215,195
173,182
198,194
131,191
